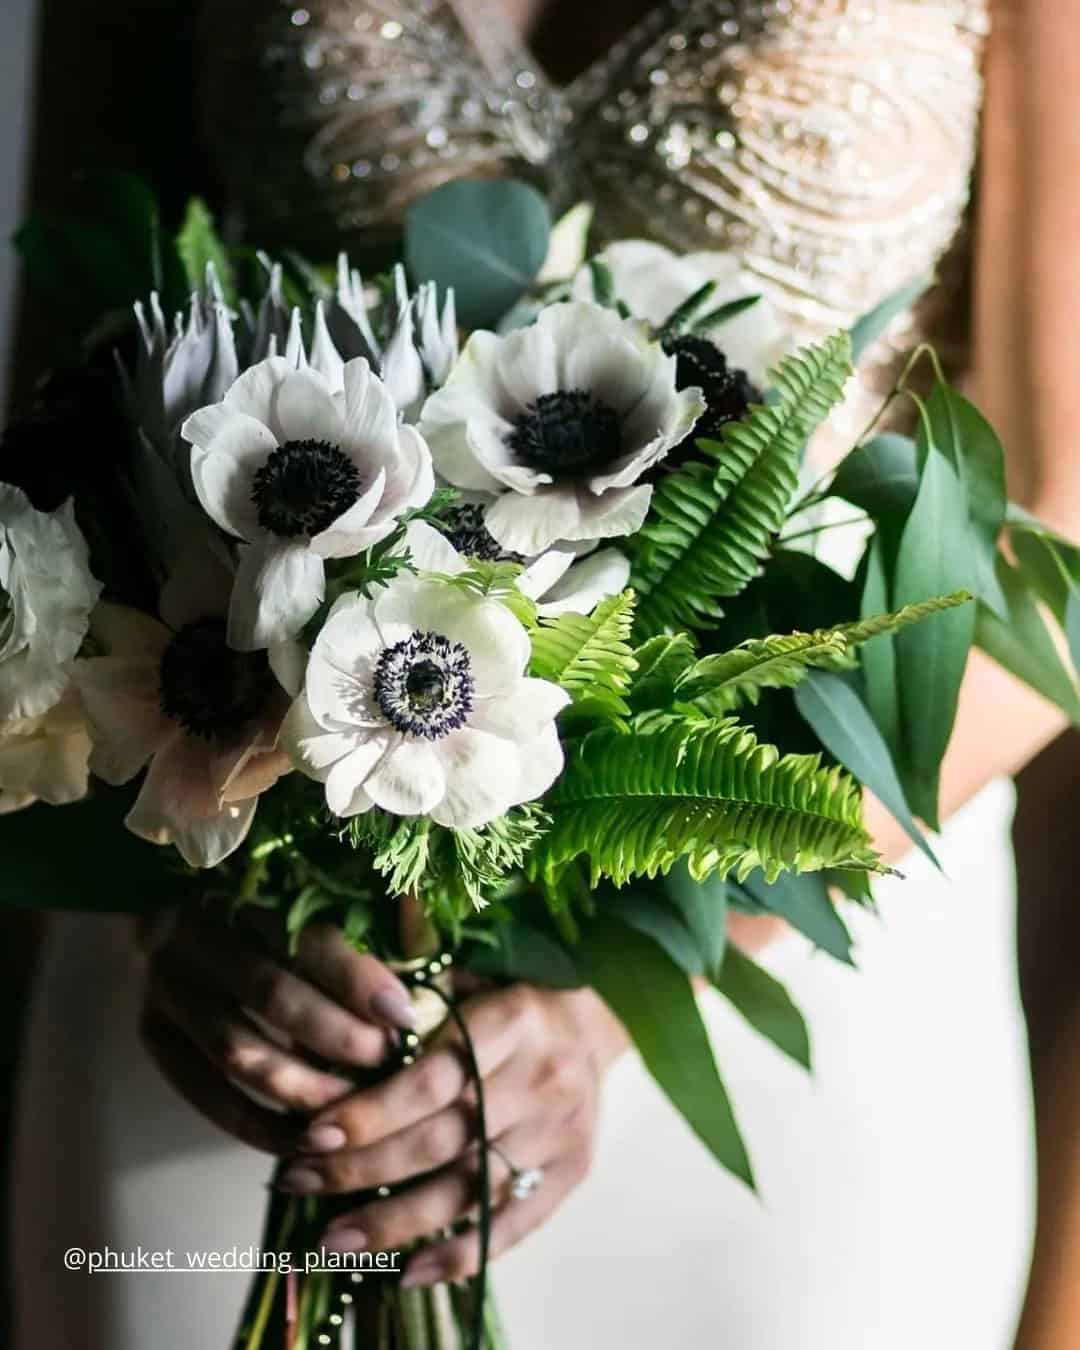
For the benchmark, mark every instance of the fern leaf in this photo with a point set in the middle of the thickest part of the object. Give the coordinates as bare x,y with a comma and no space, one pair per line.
777,662
709,792
723,682
660,663
712,524
877,624
590,657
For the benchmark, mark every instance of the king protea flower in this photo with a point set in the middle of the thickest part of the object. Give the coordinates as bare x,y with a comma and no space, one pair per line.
559,422
299,475
46,595
560,581
417,701
173,694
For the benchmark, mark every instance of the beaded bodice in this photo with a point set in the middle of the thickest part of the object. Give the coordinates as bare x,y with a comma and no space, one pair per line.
828,142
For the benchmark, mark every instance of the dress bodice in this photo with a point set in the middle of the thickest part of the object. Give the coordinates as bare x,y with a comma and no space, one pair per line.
828,142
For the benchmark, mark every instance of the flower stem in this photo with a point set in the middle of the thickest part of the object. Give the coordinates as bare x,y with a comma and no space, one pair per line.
266,1303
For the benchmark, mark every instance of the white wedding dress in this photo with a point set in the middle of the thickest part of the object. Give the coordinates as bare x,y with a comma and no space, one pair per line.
833,153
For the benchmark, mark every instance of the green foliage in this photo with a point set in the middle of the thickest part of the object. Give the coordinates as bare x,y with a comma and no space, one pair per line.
841,722
651,996
452,872
801,901
497,581
709,792
765,1004
486,238
200,247
590,657
872,325
881,476
725,681
1022,643
713,521
80,857
98,255
934,558
660,662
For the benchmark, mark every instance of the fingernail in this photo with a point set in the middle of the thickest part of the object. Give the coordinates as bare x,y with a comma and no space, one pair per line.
323,1139
423,1271
299,1181
395,1008
344,1240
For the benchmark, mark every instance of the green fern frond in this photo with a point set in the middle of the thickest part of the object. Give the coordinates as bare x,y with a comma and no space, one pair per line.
712,524
590,657
660,663
877,624
778,662
720,683
634,803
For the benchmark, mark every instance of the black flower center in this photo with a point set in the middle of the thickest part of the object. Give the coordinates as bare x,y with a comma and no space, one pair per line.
211,690
464,527
424,685
303,487
728,392
568,433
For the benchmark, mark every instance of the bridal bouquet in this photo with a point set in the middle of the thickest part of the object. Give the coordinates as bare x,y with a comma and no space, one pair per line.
500,635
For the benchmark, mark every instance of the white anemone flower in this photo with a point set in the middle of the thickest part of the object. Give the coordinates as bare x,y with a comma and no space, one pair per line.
174,695
416,701
653,282
46,595
300,475
559,422
45,758
560,580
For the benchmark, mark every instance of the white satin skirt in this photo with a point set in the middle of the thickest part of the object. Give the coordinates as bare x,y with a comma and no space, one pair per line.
896,1182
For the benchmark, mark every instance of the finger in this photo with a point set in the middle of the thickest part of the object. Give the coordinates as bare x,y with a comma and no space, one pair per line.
516,1089
497,1025
196,1079
431,1143
283,1000
229,1039
459,1256
356,980
445,1199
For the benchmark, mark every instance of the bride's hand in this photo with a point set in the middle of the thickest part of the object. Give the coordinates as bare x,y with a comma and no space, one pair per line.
223,1013
542,1056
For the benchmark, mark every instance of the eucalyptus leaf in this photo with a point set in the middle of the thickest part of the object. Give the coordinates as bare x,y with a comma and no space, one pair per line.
878,656
765,1004
872,325
1023,645
934,558
654,1000
486,238
881,476
1052,566
969,442
845,728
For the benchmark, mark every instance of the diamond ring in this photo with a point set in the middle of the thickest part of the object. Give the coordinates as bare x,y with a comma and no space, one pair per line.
524,1181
